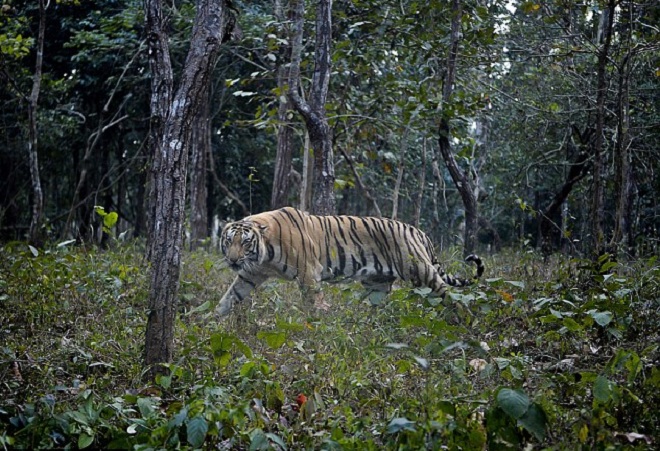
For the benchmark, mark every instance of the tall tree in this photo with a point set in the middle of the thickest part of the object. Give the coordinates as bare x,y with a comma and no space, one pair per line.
284,156
466,186
313,112
33,135
172,116
597,214
199,155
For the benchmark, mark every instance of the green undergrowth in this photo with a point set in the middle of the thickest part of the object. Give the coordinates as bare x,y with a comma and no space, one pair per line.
559,354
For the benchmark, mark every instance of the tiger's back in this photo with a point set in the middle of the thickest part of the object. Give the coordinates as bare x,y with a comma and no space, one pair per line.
293,244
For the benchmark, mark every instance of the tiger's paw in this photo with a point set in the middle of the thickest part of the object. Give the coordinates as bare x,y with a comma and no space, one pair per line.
224,307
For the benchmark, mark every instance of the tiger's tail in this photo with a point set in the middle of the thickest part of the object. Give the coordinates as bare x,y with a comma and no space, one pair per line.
461,282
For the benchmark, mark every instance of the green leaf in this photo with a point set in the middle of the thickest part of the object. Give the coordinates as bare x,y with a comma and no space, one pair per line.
535,421
100,211
34,250
277,440
110,219
247,368
145,407
516,283
502,363
85,440
200,308
602,318
274,339
400,424
514,402
222,358
602,389
376,298
221,342
571,324
196,430
178,419
259,441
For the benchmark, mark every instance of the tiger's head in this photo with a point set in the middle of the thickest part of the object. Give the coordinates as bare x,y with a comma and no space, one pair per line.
242,245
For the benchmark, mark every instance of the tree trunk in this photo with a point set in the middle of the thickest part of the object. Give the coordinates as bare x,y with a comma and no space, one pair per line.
172,118
284,158
201,148
422,182
623,174
313,113
459,177
161,101
92,141
35,234
373,204
399,174
597,213
578,170
307,176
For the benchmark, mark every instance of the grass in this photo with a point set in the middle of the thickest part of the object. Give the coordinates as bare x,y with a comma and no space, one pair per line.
560,354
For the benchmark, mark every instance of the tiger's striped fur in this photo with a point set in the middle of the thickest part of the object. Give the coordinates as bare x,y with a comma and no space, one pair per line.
293,244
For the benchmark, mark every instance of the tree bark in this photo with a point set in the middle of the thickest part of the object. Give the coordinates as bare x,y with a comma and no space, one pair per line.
623,175
401,167
313,113
172,117
284,158
597,213
307,176
35,234
578,170
459,177
200,149
422,183
363,188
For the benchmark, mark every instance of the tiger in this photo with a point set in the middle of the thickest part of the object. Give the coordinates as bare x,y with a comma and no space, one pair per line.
292,244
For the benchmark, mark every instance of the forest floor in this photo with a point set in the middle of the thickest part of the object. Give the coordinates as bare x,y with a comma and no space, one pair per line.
560,354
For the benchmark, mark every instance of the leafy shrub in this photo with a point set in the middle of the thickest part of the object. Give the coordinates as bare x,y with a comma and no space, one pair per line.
559,354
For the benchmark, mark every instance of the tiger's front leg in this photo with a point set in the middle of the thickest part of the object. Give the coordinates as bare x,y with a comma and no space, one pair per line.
240,289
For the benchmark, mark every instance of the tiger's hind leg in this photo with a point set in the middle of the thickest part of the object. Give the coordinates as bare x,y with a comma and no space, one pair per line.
240,289
376,288
379,283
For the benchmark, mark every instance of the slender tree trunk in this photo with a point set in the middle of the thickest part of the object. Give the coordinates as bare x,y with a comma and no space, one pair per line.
225,189
173,117
284,158
601,95
201,148
141,202
623,174
35,235
313,113
307,176
399,174
422,183
578,170
92,141
373,204
460,178
162,83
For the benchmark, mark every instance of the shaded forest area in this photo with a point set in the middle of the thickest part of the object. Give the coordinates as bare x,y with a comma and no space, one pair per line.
553,116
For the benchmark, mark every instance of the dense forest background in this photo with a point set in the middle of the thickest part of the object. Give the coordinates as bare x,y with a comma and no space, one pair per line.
554,116
527,131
